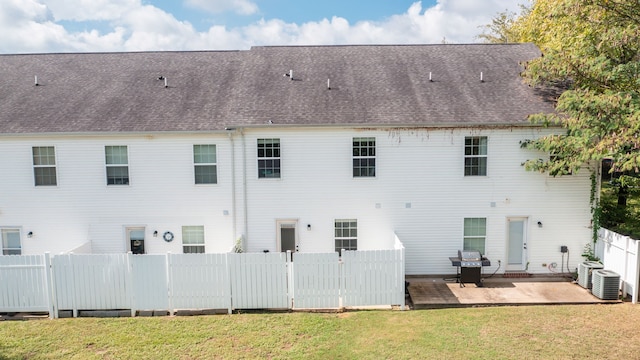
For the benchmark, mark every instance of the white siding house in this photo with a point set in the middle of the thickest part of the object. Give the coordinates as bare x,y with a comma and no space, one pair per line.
191,151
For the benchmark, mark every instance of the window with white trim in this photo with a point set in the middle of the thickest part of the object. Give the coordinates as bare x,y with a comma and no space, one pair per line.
11,242
205,164
475,234
475,156
44,166
268,158
193,239
346,234
364,157
117,163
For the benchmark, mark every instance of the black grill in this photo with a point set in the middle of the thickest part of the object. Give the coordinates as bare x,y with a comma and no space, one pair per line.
469,266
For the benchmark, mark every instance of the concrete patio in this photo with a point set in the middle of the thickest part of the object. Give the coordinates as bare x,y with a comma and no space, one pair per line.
429,292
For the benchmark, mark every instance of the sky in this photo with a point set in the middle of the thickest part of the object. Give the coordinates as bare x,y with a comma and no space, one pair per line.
45,26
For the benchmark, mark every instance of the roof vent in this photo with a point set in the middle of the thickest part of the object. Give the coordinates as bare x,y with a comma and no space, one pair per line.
161,78
328,84
481,77
36,80
430,79
290,74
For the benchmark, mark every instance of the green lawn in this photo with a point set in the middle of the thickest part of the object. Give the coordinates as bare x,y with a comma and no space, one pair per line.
521,332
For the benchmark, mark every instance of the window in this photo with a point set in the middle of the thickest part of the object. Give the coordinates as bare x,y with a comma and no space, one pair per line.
475,234
44,165
268,158
346,232
475,156
204,160
117,165
11,242
364,157
193,239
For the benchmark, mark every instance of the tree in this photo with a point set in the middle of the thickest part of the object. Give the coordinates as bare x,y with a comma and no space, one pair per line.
591,50
591,67
500,30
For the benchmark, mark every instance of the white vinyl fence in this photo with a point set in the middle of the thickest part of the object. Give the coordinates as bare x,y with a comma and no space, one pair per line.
621,254
171,282
25,284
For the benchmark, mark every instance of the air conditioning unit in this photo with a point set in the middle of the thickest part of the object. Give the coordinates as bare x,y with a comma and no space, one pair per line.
584,272
606,284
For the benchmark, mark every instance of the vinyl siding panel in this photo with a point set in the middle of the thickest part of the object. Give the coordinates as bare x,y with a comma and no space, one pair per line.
161,195
419,192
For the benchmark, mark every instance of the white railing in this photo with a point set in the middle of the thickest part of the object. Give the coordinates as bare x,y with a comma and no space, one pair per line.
171,282
621,254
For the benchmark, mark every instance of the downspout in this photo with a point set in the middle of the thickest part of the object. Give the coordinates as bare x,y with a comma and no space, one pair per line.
233,188
244,189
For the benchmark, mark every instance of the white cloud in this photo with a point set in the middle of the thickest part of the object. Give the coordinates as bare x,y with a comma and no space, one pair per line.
30,26
87,10
243,7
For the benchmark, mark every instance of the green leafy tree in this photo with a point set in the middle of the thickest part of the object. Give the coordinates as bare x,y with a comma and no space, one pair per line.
501,29
591,69
591,55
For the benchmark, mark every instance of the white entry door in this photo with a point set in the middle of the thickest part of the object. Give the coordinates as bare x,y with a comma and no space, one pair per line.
516,244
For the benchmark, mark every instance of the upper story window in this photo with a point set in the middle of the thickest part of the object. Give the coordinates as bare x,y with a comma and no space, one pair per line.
364,157
205,164
475,234
475,156
11,242
44,165
117,162
346,234
268,158
193,239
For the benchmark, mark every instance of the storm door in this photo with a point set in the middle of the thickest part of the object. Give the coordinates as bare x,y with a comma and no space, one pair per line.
517,244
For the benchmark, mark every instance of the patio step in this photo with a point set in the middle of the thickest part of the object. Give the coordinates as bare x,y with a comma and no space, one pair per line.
516,274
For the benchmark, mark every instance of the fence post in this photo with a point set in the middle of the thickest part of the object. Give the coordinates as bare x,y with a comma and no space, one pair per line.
403,276
634,296
169,283
228,283
290,286
343,281
129,284
51,298
74,288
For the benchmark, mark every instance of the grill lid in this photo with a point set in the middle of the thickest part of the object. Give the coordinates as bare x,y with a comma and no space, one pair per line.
470,258
469,255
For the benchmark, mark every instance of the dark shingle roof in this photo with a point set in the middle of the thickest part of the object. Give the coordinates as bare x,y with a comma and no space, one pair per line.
211,90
